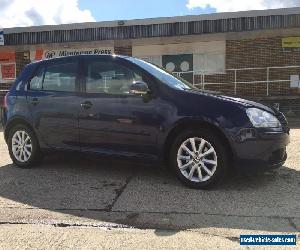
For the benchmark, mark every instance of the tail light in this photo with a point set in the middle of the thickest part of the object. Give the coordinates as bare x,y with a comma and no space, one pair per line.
5,101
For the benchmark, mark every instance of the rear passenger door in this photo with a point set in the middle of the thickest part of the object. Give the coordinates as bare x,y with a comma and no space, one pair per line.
54,101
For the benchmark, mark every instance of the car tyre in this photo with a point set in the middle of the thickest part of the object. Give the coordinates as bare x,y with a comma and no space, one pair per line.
23,146
210,164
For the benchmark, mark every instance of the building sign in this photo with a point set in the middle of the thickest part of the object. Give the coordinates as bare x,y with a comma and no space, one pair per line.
291,42
7,65
8,71
7,57
40,54
294,81
1,37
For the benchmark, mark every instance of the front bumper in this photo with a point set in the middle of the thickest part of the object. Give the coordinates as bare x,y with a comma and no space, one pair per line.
261,151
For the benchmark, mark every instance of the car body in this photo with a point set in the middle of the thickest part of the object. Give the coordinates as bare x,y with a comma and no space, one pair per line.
123,106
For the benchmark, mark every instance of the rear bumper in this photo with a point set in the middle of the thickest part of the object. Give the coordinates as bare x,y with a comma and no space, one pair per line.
2,117
266,151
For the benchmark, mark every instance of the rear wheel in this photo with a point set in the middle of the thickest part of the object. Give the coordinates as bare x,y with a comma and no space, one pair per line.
199,158
23,146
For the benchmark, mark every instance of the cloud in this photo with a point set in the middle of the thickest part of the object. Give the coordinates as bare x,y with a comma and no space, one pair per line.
239,5
19,13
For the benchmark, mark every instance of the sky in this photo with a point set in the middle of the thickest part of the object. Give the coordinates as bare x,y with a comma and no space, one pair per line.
22,13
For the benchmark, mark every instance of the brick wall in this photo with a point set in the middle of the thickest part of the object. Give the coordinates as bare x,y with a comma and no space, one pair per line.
289,105
259,52
256,53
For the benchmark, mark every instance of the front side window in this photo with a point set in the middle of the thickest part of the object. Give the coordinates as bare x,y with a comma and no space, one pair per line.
163,75
56,77
110,78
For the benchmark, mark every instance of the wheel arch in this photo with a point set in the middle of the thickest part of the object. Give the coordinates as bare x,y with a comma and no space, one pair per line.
15,121
184,125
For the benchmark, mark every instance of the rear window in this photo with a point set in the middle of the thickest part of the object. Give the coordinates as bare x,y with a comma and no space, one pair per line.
56,77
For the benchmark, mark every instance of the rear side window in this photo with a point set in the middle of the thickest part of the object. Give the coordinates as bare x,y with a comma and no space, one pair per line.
36,82
56,77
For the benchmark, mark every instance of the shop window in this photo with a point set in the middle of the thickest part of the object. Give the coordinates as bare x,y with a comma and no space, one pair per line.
209,63
181,65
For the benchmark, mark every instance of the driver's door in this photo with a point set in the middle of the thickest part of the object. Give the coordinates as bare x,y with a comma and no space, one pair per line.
111,119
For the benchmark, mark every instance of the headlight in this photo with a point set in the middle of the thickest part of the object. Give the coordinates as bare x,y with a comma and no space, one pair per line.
262,119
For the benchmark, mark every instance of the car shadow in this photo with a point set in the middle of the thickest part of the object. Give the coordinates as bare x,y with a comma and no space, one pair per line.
148,196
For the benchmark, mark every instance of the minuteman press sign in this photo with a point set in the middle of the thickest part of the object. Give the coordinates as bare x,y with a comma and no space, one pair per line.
47,54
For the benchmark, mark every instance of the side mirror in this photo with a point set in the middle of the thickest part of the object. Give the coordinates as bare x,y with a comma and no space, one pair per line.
139,88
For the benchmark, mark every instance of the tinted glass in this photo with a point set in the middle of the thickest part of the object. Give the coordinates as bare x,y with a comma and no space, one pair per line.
163,75
110,78
36,83
60,77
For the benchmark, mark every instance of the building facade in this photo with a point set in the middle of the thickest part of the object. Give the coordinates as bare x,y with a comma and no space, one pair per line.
253,54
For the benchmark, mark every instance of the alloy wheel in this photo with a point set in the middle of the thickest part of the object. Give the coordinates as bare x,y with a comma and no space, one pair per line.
197,159
21,146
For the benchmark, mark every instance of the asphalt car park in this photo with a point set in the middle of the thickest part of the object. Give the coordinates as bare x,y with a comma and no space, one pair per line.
69,191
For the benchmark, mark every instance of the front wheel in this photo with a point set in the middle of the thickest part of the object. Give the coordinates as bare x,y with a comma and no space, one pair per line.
199,158
23,146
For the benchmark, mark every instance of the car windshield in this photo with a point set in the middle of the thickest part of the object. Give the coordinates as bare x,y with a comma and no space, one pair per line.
163,75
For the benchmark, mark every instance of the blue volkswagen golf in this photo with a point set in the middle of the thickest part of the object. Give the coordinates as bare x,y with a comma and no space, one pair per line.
123,106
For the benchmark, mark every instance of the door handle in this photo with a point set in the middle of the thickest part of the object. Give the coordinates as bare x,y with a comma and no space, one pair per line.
34,101
86,105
